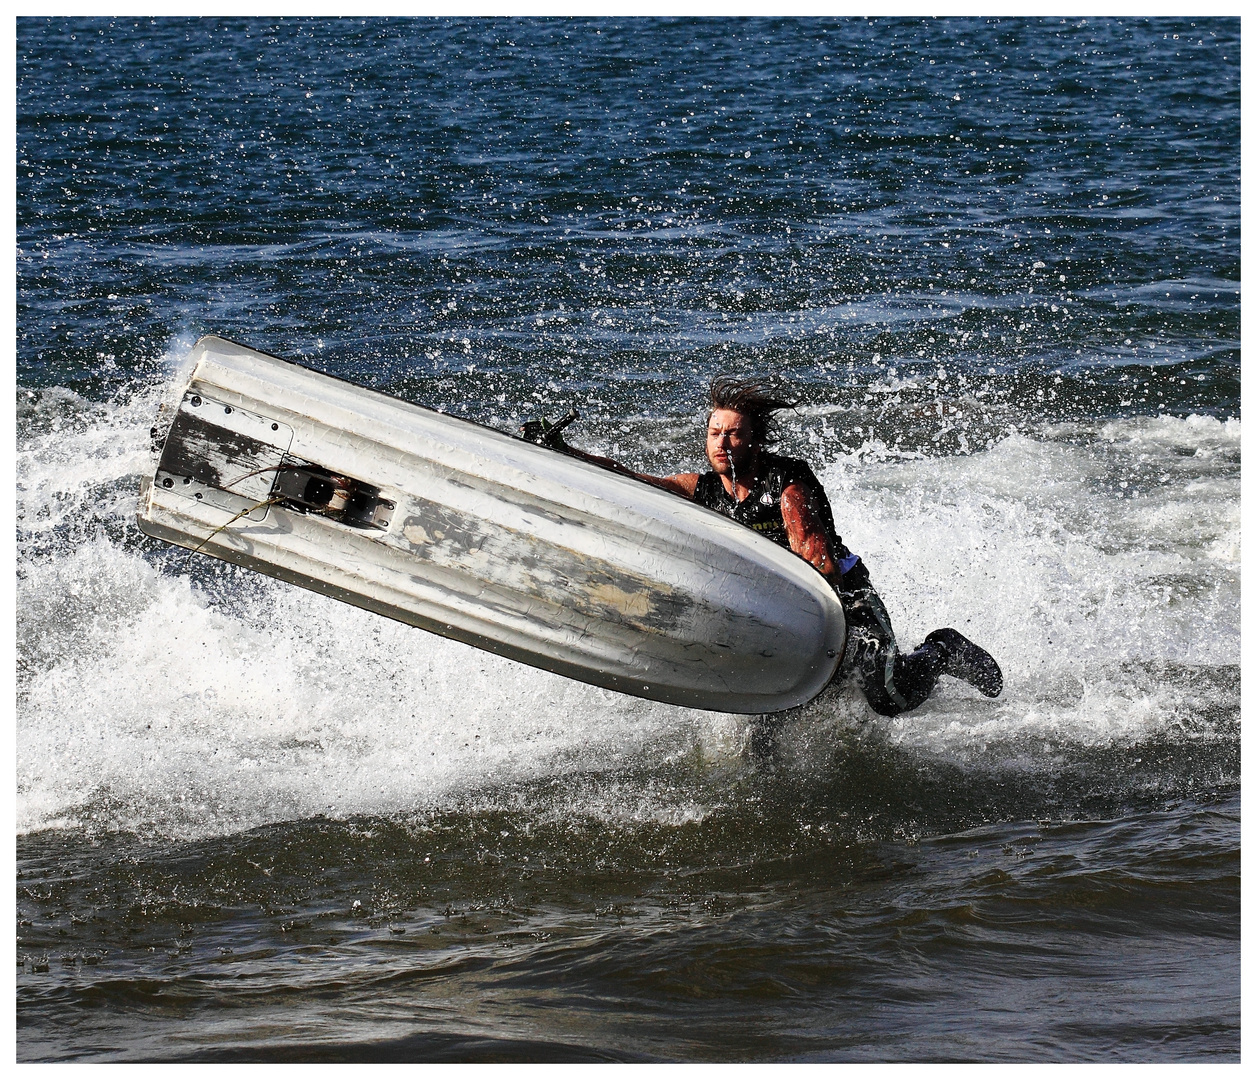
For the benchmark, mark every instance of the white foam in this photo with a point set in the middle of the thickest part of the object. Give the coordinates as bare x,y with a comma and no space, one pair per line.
1034,550
157,700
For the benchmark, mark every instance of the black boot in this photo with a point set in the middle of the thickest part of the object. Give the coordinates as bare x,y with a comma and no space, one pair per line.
968,661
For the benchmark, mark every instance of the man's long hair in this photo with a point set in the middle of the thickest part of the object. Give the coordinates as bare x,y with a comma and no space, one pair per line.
755,400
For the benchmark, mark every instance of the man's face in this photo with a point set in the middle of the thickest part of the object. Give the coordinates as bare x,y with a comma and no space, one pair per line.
729,443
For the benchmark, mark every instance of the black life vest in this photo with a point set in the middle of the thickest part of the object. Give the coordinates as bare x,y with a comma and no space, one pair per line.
761,509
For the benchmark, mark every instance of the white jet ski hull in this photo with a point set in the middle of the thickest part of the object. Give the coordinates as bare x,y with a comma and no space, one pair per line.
479,536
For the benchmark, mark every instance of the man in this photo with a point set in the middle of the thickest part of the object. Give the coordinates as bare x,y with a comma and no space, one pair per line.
781,499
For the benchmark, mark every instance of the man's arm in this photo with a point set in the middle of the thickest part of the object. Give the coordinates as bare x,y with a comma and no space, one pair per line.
805,531
683,484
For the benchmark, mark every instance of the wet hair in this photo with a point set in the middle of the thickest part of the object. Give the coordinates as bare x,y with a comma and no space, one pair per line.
755,400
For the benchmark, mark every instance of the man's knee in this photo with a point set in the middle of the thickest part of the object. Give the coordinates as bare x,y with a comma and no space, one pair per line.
893,683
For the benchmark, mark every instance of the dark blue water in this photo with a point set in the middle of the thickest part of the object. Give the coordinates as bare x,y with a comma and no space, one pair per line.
998,263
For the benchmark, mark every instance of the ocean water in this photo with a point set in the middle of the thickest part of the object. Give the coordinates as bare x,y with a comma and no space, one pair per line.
996,260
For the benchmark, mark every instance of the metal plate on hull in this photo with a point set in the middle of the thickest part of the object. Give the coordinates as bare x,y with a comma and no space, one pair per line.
223,455
479,536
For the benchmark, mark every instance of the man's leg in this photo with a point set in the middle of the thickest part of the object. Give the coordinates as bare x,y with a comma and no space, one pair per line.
892,681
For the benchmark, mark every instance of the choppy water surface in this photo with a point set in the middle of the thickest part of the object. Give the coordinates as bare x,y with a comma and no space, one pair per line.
997,261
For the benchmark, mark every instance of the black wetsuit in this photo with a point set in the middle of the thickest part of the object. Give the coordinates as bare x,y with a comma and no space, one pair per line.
892,682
